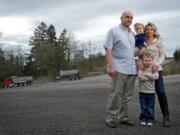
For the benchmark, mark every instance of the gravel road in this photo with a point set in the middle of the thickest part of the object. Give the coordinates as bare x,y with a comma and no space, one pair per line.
77,108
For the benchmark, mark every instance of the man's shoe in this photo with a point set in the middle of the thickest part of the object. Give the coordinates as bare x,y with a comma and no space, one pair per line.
166,122
127,122
111,124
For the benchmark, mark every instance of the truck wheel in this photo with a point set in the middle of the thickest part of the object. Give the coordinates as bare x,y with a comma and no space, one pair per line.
11,85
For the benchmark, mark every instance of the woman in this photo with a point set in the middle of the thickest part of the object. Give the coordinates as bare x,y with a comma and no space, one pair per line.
153,44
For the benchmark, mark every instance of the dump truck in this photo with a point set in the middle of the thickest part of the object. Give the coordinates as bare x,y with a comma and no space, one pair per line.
15,81
72,74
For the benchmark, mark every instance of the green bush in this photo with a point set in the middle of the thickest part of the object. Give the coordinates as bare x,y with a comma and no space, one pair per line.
172,68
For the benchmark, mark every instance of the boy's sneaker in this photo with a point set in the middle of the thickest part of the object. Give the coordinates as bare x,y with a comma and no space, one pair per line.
150,123
143,123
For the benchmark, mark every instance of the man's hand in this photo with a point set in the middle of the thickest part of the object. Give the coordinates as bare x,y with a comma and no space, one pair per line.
155,68
139,52
111,71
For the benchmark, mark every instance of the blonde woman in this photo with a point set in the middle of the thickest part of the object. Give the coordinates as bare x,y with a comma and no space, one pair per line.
154,45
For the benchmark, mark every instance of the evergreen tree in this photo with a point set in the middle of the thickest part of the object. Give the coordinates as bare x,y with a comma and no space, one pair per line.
38,53
30,68
177,54
51,47
51,35
62,53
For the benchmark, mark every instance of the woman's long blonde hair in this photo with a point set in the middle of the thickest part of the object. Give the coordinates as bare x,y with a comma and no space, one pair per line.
153,26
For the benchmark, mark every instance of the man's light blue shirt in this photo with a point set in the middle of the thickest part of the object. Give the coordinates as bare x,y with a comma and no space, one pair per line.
121,41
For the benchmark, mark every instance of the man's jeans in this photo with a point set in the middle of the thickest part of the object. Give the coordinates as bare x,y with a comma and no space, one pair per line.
147,102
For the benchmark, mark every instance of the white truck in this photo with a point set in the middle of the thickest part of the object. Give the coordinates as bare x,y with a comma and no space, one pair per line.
25,80
72,74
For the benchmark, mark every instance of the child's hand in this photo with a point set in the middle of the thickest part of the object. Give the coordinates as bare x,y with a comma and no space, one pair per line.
141,67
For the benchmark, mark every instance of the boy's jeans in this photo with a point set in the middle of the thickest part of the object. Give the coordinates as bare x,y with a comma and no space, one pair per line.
147,102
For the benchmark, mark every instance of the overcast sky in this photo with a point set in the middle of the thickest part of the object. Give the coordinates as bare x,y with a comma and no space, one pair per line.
88,19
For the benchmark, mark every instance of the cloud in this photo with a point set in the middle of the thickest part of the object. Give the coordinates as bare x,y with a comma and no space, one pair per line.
14,25
159,16
167,23
87,19
97,28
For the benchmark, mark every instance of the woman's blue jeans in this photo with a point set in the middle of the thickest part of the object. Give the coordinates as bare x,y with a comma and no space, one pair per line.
160,91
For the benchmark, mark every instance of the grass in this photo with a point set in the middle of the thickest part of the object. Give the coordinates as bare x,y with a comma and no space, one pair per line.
172,68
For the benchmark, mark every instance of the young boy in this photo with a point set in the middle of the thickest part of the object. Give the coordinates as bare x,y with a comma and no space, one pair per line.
140,35
147,90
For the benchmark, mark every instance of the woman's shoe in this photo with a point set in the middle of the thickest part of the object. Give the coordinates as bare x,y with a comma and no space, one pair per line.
166,121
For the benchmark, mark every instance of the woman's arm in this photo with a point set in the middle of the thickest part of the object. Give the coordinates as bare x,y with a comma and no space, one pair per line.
161,54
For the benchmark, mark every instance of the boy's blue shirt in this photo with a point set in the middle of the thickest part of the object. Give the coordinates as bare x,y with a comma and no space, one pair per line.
140,39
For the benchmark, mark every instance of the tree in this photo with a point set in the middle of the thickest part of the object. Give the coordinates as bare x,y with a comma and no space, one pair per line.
2,66
20,58
50,54
64,50
51,35
37,41
30,68
177,54
2,58
13,63
51,47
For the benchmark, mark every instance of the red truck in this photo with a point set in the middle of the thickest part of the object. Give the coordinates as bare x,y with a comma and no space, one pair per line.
15,81
7,83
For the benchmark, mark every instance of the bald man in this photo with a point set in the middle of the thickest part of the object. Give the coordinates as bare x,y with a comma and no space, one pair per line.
120,51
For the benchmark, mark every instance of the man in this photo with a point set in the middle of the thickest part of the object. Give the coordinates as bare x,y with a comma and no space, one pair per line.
120,49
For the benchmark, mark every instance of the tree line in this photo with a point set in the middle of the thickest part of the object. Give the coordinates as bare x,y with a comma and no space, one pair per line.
49,54
177,54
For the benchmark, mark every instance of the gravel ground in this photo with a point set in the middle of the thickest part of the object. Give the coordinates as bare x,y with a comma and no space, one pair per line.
77,108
